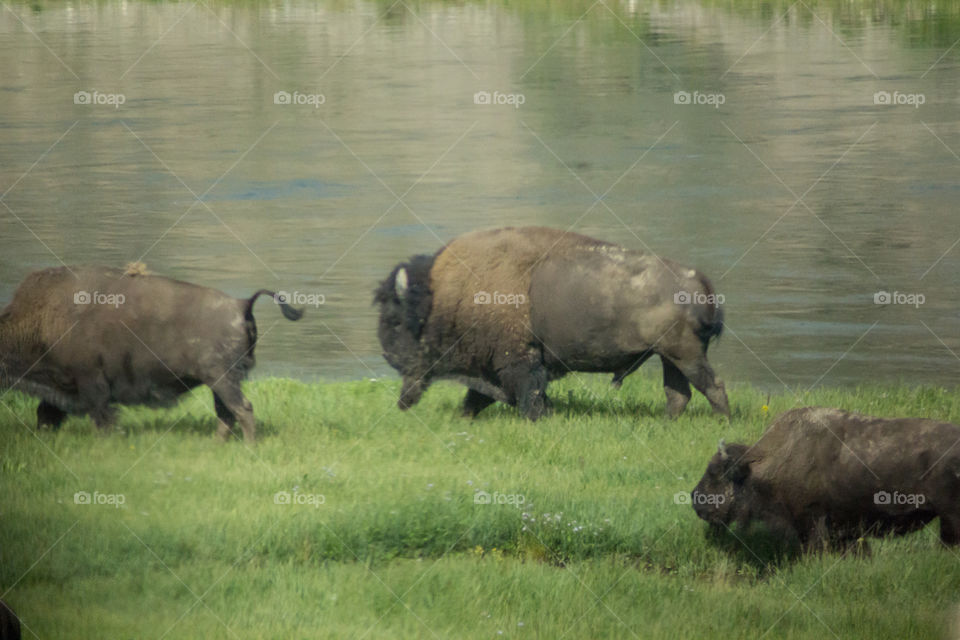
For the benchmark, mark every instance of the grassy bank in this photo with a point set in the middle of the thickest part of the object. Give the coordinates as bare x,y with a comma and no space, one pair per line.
383,536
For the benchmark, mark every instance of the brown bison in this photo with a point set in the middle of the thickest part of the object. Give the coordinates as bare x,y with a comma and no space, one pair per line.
85,337
507,310
824,478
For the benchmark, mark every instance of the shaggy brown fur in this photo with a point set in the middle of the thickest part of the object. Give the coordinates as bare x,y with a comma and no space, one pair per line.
579,304
497,261
826,477
84,338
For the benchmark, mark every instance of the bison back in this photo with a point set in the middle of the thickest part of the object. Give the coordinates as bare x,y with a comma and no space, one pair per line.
843,461
598,308
481,289
149,337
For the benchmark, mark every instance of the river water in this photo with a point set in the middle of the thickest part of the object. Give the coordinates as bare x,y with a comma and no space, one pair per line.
804,156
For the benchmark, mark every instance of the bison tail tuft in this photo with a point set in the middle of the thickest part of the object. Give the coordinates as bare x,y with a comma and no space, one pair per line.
712,329
712,324
291,313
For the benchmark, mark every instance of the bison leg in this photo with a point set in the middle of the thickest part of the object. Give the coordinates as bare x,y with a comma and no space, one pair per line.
235,405
819,538
95,390
225,418
475,402
526,383
104,417
47,414
950,530
677,388
700,374
618,376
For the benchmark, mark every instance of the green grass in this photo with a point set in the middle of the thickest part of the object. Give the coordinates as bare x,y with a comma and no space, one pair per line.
388,541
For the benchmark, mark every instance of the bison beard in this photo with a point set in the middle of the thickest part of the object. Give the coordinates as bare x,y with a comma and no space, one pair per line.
506,311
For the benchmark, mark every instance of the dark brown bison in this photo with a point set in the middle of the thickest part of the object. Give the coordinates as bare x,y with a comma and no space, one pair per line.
824,478
507,310
85,337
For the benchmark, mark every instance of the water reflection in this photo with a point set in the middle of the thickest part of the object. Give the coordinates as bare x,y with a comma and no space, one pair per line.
799,195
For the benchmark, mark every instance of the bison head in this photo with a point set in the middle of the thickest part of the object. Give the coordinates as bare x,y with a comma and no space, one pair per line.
405,299
715,496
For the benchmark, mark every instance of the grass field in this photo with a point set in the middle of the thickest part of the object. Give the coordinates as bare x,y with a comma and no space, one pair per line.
350,519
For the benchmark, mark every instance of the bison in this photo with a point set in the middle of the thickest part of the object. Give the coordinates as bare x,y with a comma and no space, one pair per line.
826,478
85,337
505,311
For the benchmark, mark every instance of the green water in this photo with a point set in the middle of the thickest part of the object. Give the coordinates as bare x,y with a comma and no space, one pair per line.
797,193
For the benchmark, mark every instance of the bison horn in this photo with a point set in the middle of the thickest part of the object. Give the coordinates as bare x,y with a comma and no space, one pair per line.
400,284
722,449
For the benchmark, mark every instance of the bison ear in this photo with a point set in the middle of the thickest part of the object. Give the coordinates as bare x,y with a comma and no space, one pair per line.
400,283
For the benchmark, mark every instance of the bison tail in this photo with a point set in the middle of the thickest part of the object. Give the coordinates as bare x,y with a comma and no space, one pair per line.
290,313
712,328
712,324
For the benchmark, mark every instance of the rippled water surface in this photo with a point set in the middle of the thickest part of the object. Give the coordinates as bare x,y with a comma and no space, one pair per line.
742,138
